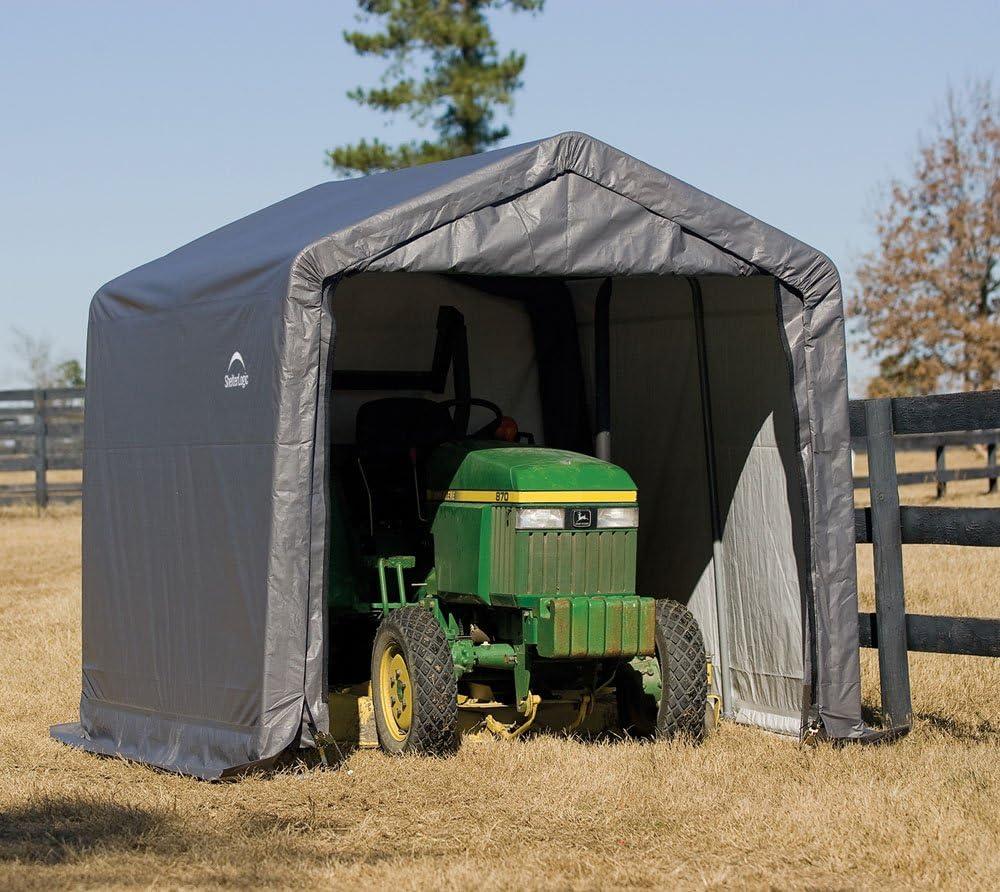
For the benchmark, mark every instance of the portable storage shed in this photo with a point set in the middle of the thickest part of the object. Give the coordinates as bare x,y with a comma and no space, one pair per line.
210,419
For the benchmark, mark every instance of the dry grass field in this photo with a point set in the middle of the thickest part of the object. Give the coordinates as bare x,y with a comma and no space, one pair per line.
747,809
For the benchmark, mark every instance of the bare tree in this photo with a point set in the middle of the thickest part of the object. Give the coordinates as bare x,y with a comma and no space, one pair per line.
38,366
34,355
928,301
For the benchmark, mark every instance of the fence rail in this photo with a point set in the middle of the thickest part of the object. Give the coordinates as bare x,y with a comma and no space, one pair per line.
941,475
41,431
942,420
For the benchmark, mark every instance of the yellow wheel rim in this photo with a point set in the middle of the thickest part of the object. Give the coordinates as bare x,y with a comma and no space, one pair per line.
395,692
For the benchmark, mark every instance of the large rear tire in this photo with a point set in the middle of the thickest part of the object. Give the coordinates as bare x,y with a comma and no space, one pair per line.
414,694
680,655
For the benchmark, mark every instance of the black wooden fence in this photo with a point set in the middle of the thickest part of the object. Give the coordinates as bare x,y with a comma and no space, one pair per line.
40,431
888,527
941,474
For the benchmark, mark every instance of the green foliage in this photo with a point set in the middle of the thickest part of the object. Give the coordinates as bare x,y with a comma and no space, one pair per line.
463,79
70,373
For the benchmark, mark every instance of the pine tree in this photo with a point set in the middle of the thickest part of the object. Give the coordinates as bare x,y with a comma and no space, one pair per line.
928,301
464,79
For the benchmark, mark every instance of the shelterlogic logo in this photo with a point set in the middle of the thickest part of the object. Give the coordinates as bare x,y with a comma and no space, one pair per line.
236,374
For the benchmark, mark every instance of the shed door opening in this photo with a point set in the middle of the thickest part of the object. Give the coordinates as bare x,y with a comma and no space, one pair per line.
531,351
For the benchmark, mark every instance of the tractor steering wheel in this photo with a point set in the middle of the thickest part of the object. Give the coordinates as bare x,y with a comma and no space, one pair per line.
488,429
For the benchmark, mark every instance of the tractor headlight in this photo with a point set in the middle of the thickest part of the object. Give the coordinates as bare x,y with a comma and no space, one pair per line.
614,518
541,519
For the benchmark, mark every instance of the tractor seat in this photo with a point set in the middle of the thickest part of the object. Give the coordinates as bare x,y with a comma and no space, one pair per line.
393,437
398,424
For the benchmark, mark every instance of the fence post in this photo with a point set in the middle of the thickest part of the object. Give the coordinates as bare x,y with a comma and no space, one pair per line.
887,548
41,452
991,465
939,469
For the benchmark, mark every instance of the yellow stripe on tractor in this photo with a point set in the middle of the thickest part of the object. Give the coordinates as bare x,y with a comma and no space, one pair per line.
509,497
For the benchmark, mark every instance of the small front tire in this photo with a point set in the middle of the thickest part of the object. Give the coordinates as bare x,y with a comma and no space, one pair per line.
414,693
680,655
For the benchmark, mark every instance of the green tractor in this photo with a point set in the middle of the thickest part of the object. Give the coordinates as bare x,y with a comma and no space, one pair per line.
478,561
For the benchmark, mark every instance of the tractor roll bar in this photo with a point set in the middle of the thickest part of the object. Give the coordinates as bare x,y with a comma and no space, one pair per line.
451,350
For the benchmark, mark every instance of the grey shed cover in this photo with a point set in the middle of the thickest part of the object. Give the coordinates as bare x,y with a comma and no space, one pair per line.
204,527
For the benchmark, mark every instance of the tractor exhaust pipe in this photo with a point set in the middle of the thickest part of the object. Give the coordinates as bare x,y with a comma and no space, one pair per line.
602,371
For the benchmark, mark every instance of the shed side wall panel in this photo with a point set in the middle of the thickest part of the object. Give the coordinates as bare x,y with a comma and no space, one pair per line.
764,563
175,533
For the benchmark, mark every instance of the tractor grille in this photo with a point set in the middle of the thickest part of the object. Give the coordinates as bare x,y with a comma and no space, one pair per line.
558,562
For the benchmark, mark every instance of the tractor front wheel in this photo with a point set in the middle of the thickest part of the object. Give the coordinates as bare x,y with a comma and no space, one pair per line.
680,661
414,694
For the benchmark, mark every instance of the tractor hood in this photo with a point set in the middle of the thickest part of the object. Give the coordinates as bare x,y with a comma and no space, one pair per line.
464,469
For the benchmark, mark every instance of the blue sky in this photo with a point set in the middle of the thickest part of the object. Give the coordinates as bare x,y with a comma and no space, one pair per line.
130,128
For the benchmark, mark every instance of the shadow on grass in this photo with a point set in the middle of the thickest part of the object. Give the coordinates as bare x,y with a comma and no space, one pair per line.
964,732
871,714
968,732
72,832
54,831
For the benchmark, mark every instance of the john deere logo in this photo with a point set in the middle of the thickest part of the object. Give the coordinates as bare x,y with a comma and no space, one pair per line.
581,518
236,374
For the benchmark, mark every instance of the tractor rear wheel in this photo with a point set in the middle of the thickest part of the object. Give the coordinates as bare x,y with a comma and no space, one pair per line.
680,658
414,693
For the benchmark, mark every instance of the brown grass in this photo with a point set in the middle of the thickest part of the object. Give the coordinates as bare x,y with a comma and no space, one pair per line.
746,809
